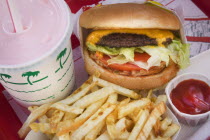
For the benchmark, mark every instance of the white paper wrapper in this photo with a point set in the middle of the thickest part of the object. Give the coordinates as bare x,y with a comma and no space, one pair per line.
191,120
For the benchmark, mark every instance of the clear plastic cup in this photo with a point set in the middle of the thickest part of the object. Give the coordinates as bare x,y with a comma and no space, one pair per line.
36,65
188,119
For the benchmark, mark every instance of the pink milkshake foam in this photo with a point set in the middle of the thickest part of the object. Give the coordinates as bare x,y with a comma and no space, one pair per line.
45,25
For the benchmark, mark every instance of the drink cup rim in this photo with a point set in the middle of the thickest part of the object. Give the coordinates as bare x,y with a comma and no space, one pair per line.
68,30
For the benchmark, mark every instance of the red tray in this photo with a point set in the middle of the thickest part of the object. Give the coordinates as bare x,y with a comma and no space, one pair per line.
9,122
204,5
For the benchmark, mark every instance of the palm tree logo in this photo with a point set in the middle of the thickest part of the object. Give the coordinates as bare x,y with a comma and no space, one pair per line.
61,54
6,76
29,74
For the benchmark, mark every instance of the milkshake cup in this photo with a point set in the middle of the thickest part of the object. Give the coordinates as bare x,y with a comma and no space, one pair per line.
36,64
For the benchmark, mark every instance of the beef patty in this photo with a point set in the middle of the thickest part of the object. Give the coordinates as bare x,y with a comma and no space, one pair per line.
128,40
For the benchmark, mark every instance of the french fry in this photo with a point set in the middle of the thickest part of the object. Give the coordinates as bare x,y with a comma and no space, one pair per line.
129,124
156,128
153,117
93,121
95,131
110,123
123,102
139,124
111,118
124,135
161,138
95,88
31,118
171,130
69,116
42,127
121,90
104,136
152,135
63,125
66,108
82,118
165,123
149,96
64,137
93,97
112,98
55,119
42,119
127,109
134,115
77,95
161,98
50,112
91,110
121,127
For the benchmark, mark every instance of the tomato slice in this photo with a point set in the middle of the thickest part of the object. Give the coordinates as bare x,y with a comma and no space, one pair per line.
127,66
141,57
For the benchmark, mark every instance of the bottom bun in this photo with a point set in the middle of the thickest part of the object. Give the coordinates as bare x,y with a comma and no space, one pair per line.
142,82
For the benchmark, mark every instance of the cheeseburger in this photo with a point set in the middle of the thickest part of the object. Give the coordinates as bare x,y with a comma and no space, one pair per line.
137,46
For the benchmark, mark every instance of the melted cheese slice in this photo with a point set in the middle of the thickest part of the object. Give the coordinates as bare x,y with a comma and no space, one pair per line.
160,35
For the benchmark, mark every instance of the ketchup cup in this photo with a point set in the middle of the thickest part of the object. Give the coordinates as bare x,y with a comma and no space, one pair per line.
189,119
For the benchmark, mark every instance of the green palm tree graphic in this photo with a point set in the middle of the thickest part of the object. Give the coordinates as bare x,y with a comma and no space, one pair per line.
6,76
29,74
61,54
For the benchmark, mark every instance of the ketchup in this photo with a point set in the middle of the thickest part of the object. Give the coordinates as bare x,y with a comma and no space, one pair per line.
191,97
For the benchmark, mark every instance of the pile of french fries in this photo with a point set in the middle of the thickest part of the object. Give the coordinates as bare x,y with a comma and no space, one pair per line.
103,111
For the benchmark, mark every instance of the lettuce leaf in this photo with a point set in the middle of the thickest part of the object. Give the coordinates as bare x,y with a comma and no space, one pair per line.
180,53
157,54
128,53
177,51
120,59
105,50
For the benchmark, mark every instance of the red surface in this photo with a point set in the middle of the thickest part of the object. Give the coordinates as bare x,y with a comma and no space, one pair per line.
204,5
191,97
196,19
9,122
198,39
75,41
75,5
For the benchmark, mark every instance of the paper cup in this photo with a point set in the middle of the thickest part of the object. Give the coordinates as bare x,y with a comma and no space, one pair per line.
191,120
46,79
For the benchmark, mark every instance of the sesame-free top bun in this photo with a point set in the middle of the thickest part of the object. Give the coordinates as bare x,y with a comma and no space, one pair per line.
142,82
129,15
